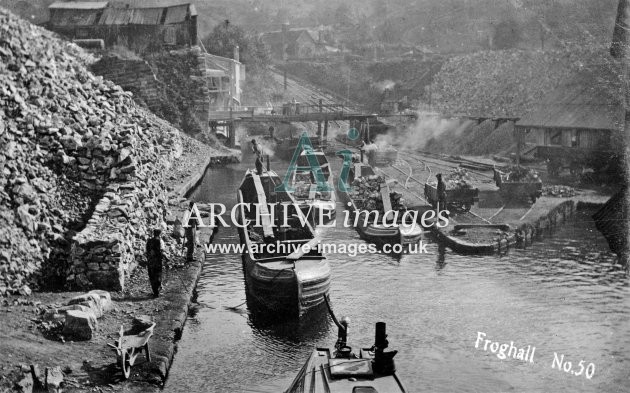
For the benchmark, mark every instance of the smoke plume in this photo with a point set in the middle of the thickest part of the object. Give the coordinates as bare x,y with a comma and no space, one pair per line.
384,85
416,135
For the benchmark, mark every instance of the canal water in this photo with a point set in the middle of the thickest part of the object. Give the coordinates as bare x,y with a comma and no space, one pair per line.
562,295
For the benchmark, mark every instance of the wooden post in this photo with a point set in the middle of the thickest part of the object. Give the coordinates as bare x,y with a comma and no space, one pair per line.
518,138
231,131
319,123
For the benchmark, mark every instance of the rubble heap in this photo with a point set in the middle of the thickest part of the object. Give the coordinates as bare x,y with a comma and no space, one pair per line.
73,148
504,83
366,194
459,178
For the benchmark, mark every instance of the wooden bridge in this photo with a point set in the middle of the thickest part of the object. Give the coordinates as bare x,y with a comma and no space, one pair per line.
292,113
289,113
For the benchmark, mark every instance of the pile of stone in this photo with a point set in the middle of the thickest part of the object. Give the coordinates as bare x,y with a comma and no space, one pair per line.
501,83
458,178
73,148
558,191
78,318
366,194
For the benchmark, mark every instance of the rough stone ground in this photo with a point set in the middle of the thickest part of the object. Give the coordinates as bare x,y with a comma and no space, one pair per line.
91,365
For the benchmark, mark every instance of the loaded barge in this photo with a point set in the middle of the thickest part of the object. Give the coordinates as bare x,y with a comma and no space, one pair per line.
386,228
279,274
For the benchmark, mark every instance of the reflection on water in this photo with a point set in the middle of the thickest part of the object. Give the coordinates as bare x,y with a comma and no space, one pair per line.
561,295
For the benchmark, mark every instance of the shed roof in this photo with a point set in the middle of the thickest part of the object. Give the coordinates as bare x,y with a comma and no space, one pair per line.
79,5
74,17
150,3
116,12
176,14
591,99
133,16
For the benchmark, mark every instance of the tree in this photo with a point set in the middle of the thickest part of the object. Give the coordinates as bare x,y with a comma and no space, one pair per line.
224,37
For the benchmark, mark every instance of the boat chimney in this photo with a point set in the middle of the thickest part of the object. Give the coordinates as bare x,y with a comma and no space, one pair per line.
380,336
268,166
383,361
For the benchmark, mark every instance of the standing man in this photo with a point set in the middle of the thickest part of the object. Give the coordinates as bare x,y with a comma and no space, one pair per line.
256,149
259,156
191,235
441,192
155,254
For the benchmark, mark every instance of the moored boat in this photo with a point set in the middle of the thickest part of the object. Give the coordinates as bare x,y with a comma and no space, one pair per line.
339,369
314,203
476,238
384,227
284,270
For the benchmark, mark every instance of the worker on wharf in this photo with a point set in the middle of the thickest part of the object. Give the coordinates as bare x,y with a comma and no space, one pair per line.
191,236
155,256
441,192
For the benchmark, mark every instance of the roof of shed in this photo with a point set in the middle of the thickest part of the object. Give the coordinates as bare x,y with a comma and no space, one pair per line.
84,13
79,5
591,99
126,16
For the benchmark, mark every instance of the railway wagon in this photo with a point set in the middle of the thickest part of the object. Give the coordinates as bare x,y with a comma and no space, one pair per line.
458,198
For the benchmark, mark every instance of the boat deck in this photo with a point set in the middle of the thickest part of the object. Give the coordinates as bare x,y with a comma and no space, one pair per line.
324,373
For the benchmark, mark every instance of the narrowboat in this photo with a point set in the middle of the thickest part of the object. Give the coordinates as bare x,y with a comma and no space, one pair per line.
314,203
381,230
339,369
283,267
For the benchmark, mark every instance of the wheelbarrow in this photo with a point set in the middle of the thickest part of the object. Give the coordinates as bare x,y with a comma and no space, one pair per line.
128,348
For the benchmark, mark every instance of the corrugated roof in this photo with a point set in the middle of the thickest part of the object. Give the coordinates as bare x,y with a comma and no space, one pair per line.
149,3
591,99
79,5
74,17
176,14
115,16
131,16
144,16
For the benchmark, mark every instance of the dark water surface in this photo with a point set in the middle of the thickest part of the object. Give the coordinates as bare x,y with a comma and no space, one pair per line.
563,294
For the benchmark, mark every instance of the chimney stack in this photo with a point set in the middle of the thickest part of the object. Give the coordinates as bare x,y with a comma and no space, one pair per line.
237,55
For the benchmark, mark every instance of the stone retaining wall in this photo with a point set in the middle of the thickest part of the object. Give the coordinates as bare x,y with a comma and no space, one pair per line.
132,75
133,201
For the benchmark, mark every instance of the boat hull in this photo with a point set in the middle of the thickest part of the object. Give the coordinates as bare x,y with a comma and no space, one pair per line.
378,234
286,287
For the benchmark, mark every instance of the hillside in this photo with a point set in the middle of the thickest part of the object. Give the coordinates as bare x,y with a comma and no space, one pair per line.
505,83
